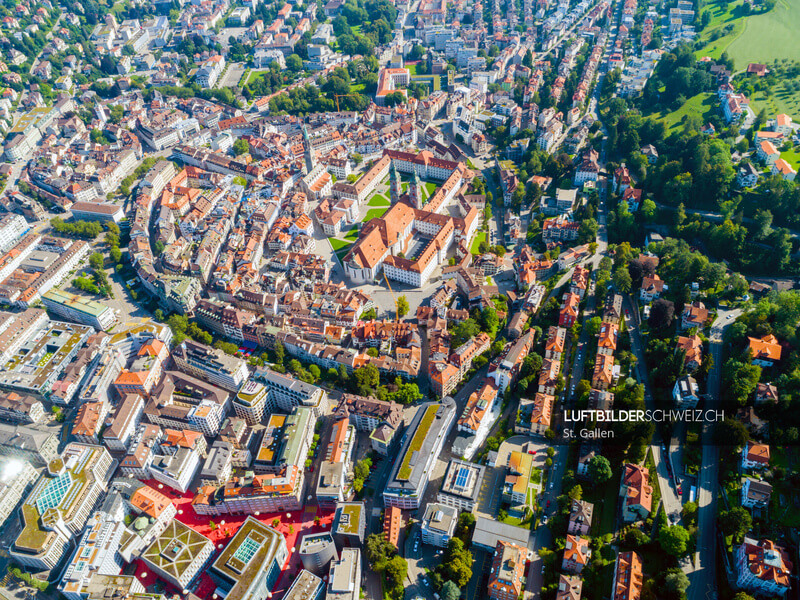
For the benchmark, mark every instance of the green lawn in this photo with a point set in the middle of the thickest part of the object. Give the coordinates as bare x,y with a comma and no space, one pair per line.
479,237
768,36
703,104
430,188
792,157
255,76
722,15
352,234
338,244
374,213
379,200
782,99
404,187
412,69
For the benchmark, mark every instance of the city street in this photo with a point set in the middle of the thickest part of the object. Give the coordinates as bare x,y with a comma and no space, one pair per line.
702,576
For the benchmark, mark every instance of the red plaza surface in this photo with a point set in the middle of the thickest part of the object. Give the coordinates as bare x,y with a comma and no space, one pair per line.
292,527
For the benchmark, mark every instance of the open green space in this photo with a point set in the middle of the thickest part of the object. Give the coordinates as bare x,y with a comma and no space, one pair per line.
379,200
722,16
255,76
430,188
352,234
768,36
374,213
338,244
703,104
792,156
412,69
782,99
479,237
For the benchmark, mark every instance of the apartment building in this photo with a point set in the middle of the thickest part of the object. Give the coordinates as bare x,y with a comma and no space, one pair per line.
210,364
422,442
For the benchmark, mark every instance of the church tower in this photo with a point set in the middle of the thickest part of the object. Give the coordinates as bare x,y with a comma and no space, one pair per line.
394,185
415,191
308,151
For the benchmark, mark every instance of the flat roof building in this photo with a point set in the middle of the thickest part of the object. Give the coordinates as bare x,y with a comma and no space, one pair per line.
178,554
317,550
251,563
344,577
438,524
488,532
80,309
421,445
60,504
16,478
349,523
306,586
461,485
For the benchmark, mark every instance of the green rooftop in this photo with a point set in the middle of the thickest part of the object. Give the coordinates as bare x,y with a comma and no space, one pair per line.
416,442
350,525
75,302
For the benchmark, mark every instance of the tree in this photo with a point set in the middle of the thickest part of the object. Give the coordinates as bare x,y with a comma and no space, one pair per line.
661,313
636,538
593,326
674,540
450,591
622,279
676,582
240,147
280,353
456,563
294,63
402,307
576,492
465,526
599,469
743,596
96,260
735,522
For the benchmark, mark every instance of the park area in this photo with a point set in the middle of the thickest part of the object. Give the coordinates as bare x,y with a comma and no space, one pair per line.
703,105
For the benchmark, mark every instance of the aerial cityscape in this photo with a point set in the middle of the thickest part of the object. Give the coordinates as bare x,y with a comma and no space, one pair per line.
399,300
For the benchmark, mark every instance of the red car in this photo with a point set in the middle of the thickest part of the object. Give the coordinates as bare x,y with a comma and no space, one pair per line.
548,503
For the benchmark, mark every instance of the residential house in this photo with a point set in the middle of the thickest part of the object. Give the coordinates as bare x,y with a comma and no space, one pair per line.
755,455
576,554
636,493
766,351
763,568
755,493
692,347
580,518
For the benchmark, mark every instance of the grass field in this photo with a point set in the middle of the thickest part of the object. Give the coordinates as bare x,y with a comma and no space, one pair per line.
338,244
768,36
379,200
703,104
721,16
479,237
255,76
782,100
412,69
430,188
352,234
374,213
792,157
